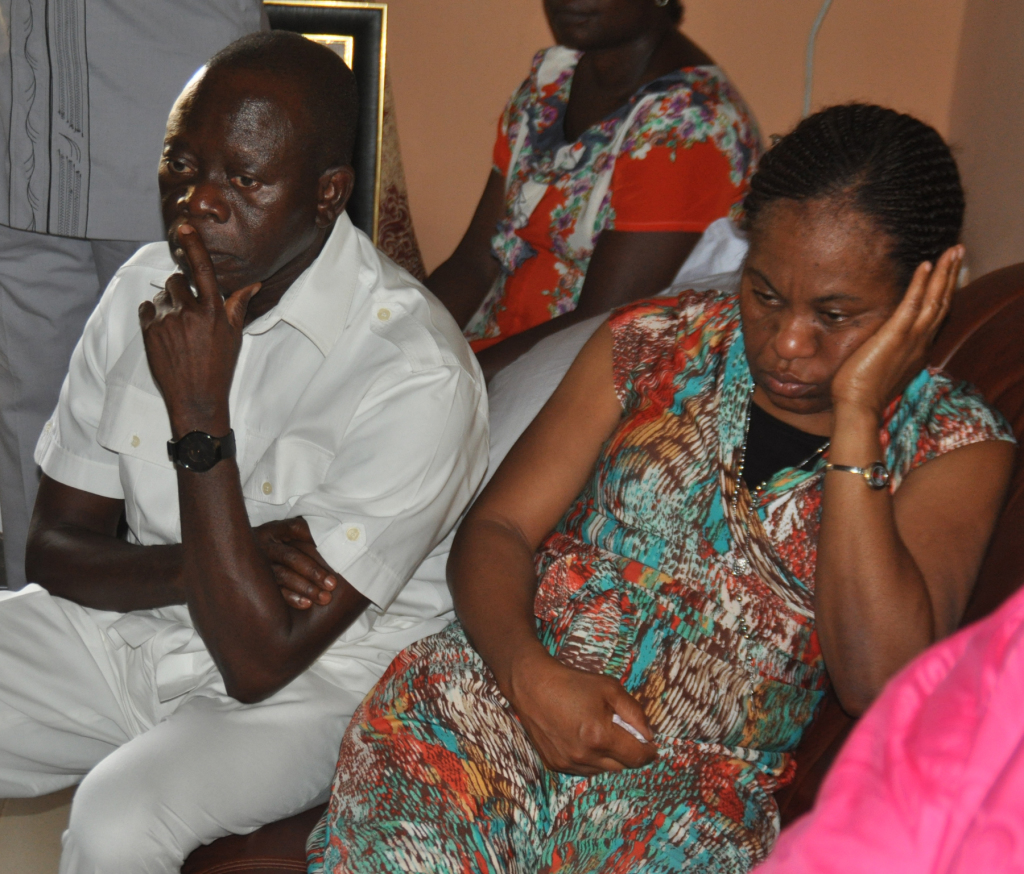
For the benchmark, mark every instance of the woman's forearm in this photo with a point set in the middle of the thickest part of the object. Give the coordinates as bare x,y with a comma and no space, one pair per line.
872,605
493,582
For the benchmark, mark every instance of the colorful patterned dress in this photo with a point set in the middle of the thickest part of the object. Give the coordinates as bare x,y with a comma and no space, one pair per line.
701,606
676,157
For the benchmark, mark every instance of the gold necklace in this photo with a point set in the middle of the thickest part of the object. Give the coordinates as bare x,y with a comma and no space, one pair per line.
739,564
754,493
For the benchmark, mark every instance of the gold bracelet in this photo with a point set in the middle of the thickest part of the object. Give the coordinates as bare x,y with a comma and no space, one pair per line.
876,476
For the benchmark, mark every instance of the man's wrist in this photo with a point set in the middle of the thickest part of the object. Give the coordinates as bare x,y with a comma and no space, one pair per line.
175,574
211,419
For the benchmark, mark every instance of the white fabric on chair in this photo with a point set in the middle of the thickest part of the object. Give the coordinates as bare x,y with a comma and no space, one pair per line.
518,392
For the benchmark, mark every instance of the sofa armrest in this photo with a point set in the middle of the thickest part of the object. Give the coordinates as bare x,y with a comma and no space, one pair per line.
278,848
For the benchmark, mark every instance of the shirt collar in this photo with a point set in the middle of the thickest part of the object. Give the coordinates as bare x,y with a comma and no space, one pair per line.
318,302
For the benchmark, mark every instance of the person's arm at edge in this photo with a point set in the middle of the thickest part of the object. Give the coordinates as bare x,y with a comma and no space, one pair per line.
626,266
491,574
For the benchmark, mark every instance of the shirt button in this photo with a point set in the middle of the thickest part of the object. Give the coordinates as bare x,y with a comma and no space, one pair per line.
267,488
383,314
352,534
135,440
48,426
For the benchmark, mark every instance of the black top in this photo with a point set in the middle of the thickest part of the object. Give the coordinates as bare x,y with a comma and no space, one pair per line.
772,445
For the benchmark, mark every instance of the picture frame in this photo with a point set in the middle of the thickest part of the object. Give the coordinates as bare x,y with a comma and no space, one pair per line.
358,32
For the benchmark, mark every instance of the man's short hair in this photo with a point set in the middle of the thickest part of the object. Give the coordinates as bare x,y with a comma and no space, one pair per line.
327,84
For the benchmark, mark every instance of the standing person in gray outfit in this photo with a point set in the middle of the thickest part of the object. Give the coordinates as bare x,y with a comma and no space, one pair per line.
85,88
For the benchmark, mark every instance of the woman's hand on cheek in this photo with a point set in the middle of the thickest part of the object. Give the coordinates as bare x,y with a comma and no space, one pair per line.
882,366
568,715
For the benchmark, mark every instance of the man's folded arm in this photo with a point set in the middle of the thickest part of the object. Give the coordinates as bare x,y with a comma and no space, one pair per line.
74,552
257,640
411,482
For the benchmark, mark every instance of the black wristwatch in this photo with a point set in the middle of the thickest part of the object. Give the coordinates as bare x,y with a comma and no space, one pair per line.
198,451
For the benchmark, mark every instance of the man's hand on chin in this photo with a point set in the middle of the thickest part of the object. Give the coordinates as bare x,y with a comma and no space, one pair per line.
192,341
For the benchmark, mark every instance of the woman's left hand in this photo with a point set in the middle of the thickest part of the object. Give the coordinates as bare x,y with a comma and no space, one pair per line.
876,372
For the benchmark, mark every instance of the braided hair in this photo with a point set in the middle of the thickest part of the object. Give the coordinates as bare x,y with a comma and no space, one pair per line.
891,167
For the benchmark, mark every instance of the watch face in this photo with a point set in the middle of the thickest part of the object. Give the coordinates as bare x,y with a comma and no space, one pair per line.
197,451
878,476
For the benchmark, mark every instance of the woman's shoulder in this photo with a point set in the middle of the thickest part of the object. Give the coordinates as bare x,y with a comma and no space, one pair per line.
651,329
696,105
551,64
702,93
683,309
936,414
550,72
655,340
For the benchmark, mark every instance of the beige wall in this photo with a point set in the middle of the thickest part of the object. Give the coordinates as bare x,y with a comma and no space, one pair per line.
897,53
987,132
454,63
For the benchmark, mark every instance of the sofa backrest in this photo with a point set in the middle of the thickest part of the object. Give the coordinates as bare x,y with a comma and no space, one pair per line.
983,342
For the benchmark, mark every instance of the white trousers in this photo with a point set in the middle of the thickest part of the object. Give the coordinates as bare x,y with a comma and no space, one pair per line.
158,778
48,287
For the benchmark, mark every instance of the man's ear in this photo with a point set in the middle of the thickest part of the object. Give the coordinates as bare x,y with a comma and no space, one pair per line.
332,193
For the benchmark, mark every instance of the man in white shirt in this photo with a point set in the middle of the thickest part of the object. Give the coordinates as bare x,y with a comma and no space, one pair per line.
327,425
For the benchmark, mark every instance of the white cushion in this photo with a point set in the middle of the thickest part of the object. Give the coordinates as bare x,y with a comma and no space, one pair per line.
518,392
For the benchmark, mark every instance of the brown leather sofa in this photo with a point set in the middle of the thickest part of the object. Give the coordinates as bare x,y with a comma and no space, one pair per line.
983,342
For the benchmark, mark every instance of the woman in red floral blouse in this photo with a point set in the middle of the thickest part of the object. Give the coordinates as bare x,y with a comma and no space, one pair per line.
623,144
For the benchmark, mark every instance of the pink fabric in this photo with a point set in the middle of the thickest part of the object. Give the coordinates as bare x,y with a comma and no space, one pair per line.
932,779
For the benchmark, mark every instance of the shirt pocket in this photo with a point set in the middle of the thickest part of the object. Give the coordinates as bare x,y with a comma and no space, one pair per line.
287,470
135,424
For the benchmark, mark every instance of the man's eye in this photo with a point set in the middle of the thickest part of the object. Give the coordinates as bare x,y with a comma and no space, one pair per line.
765,297
176,166
834,316
245,181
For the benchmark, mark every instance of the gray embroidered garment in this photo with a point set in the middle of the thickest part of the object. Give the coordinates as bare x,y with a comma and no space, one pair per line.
85,88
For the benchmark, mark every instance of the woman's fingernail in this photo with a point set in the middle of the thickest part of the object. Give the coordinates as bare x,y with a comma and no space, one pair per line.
186,230
330,583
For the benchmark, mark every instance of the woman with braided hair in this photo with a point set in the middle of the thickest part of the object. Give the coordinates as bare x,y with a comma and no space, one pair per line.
733,499
623,144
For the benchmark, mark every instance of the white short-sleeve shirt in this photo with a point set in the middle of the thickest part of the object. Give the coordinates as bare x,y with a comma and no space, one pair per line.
356,403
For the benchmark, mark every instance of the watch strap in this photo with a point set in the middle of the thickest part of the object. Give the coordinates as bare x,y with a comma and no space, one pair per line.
226,445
